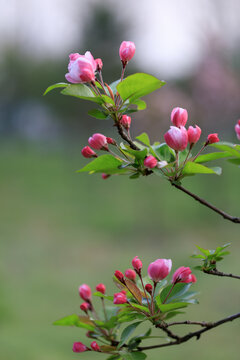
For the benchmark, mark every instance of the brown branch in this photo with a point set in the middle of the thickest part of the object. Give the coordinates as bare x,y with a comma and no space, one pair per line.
197,334
226,216
187,322
125,137
220,273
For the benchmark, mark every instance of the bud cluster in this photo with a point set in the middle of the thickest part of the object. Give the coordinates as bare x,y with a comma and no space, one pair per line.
134,290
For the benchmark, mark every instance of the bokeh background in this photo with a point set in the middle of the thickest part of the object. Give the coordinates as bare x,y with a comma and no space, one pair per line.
60,229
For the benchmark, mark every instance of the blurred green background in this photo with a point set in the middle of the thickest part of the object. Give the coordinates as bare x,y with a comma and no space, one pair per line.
59,228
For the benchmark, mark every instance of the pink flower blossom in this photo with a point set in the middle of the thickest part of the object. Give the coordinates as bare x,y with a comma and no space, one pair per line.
119,298
179,116
130,274
150,162
194,134
79,347
159,269
212,138
85,292
87,152
183,275
177,138
95,346
101,288
98,141
237,129
126,121
127,51
137,264
81,68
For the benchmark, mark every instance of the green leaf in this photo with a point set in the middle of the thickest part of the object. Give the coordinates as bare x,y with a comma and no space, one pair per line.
98,114
192,168
141,105
104,164
234,161
138,85
138,154
179,290
82,91
113,86
127,333
75,320
229,147
164,308
99,294
164,152
144,138
212,156
55,86
140,307
204,251
172,314
134,355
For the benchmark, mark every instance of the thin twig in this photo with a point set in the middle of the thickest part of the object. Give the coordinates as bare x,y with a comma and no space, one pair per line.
226,216
220,273
190,335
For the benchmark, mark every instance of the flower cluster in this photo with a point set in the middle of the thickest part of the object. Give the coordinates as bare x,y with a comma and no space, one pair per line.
137,299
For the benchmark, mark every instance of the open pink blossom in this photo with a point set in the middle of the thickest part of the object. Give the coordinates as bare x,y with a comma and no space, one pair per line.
183,275
81,68
159,269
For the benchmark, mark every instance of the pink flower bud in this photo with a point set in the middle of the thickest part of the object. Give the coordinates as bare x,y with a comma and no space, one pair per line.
212,138
85,292
119,298
183,275
130,274
101,288
119,275
85,306
179,117
137,264
123,292
150,162
177,138
87,152
81,68
127,51
149,288
111,141
237,129
99,64
105,176
194,134
126,121
98,141
79,347
95,346
159,269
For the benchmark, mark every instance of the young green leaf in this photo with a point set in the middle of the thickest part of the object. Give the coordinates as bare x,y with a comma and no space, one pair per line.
164,308
75,320
138,85
229,147
98,114
104,164
144,139
141,105
178,290
55,86
212,156
192,168
134,355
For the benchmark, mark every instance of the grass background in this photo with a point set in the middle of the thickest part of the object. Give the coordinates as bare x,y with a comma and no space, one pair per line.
60,229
